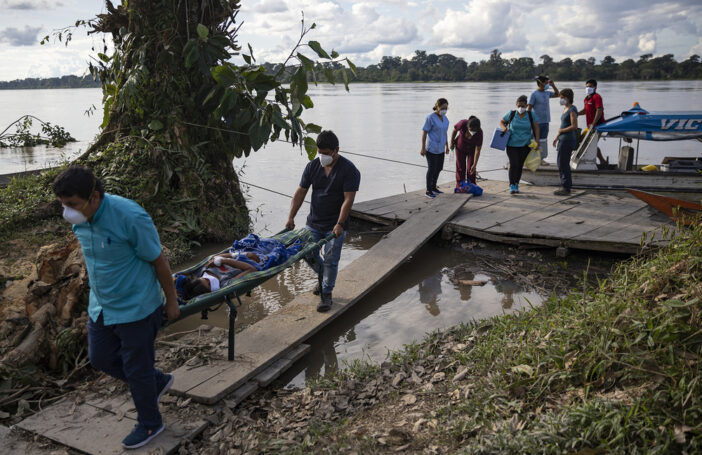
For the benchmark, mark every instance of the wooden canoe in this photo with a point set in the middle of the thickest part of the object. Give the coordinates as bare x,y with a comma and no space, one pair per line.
684,211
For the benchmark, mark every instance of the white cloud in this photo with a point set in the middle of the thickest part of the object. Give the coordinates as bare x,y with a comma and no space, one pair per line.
271,6
367,30
28,4
20,37
483,25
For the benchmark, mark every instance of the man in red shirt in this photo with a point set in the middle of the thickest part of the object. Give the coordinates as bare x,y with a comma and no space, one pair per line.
593,111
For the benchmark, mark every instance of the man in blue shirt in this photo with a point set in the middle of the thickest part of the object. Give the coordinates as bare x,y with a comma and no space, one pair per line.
334,181
127,270
539,103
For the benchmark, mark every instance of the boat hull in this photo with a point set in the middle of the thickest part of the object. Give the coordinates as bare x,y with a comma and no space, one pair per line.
613,179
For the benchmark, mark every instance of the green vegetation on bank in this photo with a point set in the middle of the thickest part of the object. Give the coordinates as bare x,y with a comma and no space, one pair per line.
446,67
611,368
424,67
50,82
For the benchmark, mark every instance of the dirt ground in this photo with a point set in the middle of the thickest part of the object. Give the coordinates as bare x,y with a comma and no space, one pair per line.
391,410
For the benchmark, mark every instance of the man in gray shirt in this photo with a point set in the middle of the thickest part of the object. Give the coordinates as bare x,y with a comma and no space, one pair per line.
539,102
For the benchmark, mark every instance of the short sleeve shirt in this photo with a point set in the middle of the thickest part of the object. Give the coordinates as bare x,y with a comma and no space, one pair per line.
520,129
467,145
592,103
436,129
119,245
565,123
541,107
328,191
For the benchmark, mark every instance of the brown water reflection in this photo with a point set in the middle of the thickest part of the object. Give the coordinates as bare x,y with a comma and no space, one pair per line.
421,296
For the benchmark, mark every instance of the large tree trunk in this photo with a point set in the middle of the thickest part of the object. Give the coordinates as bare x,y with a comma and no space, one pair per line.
160,145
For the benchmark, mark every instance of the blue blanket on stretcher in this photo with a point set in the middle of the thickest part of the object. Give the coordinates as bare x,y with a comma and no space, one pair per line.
271,252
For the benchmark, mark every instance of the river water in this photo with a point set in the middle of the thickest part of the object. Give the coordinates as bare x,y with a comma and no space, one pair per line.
382,121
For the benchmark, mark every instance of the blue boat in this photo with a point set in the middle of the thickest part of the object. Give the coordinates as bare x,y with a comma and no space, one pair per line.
672,174
638,123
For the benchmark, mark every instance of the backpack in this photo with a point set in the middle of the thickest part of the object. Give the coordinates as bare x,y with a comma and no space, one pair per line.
531,121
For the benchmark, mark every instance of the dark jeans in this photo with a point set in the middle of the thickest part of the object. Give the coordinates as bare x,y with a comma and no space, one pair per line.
329,258
565,150
464,161
126,352
517,156
435,161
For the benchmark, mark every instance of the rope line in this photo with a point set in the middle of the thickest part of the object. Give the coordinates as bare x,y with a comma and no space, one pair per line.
410,164
343,151
268,189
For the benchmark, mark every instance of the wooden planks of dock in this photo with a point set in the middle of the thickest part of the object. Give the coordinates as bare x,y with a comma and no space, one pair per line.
263,343
589,220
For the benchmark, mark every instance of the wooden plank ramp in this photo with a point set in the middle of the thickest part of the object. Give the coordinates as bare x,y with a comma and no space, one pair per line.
610,221
264,343
99,429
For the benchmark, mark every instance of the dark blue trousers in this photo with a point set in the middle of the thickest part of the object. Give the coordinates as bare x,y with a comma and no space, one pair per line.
126,352
435,161
565,150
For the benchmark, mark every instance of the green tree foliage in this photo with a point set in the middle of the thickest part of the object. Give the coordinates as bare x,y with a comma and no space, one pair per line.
446,67
177,111
50,82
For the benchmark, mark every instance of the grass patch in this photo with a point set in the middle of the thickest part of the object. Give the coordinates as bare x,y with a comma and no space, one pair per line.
612,367
615,368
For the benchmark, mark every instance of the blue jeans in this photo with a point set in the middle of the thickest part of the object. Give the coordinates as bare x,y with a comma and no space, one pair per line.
543,139
330,258
565,150
126,352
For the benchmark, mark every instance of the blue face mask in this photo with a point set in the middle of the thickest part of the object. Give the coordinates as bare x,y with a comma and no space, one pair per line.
547,86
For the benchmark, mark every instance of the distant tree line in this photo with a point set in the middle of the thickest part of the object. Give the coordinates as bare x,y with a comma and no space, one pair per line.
51,82
423,67
446,67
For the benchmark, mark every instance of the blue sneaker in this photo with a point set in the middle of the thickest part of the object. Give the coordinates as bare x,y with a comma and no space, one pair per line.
430,195
165,384
516,188
140,436
513,189
436,191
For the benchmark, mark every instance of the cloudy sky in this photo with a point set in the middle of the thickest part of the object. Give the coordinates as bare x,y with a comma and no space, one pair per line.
367,30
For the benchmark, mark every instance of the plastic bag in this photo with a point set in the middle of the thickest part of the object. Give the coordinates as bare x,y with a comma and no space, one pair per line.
533,159
467,187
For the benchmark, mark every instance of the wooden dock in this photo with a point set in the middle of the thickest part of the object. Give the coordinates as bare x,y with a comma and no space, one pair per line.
263,350
588,220
265,342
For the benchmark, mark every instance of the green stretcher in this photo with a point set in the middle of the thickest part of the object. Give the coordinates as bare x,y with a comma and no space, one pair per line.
244,285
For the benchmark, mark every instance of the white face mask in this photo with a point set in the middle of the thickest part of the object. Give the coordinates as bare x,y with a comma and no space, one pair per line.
521,110
589,91
73,216
473,132
214,282
326,160
442,112
563,102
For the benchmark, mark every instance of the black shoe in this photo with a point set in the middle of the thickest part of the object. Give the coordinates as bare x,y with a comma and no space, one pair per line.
317,290
562,192
325,302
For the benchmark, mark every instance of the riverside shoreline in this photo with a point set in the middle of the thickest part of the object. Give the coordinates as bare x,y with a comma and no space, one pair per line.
612,366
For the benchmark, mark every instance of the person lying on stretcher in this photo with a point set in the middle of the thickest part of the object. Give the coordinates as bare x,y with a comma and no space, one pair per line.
217,273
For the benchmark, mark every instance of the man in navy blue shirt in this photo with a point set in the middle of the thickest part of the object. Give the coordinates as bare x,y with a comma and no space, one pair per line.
334,181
